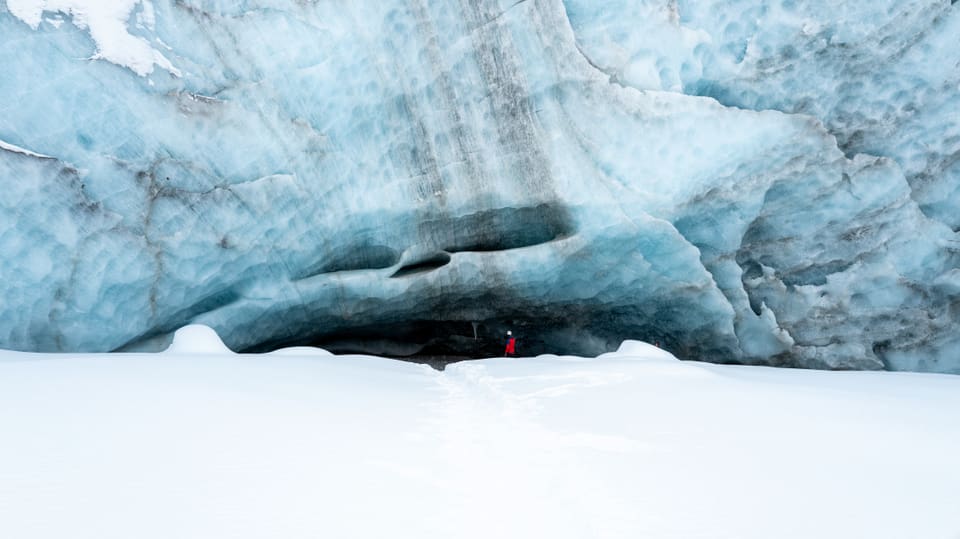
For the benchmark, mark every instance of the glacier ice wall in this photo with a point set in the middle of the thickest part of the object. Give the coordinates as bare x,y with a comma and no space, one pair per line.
883,76
761,182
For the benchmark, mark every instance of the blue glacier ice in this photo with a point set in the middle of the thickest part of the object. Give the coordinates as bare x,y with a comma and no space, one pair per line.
770,182
883,76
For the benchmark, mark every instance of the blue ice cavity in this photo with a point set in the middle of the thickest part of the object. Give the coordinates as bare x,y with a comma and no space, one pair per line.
396,176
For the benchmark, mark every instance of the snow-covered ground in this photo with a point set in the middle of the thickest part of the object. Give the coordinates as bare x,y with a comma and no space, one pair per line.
202,443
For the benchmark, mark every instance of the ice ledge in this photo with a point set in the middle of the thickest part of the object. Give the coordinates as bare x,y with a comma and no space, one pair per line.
17,149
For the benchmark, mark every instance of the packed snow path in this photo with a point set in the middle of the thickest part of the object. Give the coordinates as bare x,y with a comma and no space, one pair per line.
305,446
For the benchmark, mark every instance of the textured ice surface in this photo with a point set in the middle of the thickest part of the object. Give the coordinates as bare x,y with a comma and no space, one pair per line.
883,76
415,177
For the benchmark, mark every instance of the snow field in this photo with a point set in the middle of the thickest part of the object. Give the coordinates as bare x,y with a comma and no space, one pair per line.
195,443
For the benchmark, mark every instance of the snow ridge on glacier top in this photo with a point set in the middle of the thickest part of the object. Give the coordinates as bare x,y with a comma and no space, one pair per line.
107,24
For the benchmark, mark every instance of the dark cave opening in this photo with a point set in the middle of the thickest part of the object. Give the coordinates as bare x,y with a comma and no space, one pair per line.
439,343
434,342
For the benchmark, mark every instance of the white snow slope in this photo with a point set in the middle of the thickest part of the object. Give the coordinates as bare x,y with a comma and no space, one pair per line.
635,444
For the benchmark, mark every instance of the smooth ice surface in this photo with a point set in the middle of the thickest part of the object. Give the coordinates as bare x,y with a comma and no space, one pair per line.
757,182
628,445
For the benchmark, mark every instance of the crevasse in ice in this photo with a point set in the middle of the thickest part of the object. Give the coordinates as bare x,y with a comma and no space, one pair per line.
763,182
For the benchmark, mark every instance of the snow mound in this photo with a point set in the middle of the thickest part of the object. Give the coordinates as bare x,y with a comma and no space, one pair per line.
197,339
641,350
301,351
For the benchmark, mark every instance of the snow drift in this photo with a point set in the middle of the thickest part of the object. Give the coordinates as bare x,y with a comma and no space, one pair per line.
631,444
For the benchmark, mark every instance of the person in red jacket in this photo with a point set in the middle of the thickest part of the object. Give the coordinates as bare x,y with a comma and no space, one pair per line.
511,349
